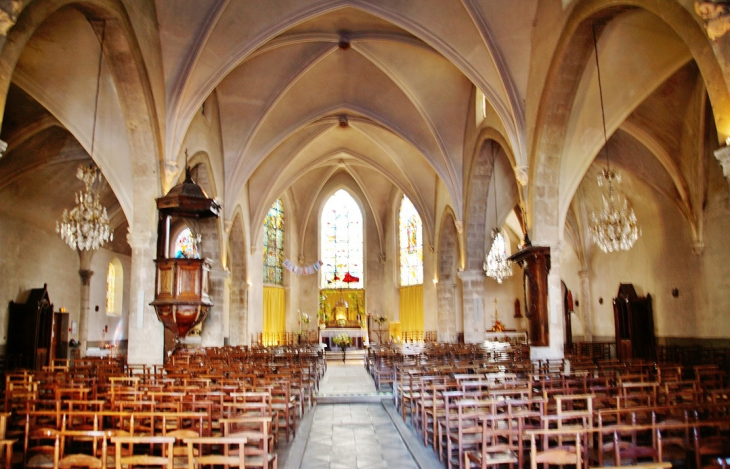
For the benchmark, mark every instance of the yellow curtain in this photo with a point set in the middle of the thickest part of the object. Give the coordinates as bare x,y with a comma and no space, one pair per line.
274,310
411,308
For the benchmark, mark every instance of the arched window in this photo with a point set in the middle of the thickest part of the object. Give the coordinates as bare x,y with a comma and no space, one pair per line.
114,288
411,244
341,242
274,244
186,245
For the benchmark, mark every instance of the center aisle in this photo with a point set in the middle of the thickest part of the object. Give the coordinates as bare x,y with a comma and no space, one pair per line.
350,427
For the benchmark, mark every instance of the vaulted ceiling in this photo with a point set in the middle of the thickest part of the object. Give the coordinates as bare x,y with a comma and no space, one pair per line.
380,93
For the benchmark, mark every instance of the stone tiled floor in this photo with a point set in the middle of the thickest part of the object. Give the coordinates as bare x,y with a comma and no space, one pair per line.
354,436
349,378
349,435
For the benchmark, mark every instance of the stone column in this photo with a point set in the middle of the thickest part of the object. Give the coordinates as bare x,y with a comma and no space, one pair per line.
446,297
473,305
146,333
555,312
213,326
239,313
85,273
585,305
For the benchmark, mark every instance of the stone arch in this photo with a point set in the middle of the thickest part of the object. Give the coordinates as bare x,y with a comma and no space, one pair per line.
132,84
238,292
572,52
476,204
446,288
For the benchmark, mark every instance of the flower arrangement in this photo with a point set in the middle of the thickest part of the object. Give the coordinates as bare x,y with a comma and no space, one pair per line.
304,317
380,319
342,340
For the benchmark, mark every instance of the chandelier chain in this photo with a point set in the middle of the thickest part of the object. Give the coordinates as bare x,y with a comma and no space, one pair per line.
613,229
86,225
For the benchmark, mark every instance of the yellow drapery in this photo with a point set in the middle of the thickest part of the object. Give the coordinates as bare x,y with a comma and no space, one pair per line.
274,310
411,308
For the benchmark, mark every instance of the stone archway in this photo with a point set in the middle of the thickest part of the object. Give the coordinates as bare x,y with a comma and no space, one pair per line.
238,299
446,291
475,230
143,134
561,83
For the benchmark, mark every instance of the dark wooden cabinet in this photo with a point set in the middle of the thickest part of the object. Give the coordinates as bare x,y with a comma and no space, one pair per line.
634,323
36,335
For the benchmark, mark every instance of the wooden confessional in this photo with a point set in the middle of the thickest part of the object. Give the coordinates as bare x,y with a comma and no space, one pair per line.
36,335
634,322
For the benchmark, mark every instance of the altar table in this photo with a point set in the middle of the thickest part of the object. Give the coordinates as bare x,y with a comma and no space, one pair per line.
357,335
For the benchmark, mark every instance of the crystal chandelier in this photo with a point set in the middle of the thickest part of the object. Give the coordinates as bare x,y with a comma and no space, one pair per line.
86,226
615,228
496,264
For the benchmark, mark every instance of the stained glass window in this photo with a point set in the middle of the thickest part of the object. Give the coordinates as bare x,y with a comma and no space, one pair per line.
411,244
341,242
274,244
110,284
185,245
114,288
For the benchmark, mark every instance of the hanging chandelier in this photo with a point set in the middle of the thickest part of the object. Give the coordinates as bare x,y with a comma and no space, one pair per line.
615,228
496,264
86,226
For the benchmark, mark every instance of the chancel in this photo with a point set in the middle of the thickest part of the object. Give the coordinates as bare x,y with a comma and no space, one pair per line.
479,201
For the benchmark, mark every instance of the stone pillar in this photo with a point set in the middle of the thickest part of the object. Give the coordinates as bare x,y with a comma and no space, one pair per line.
213,326
585,305
473,301
146,333
555,313
239,313
446,297
85,273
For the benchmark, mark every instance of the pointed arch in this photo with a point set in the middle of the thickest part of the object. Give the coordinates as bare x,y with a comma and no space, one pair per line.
342,241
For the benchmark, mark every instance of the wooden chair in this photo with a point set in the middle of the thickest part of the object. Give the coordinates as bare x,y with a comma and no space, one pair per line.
160,451
258,451
500,444
553,451
96,458
218,451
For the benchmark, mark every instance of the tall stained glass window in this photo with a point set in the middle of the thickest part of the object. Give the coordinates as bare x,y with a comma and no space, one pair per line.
411,244
111,282
274,244
341,242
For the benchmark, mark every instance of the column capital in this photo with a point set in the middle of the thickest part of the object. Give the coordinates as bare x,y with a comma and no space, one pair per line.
9,12
522,174
468,275
216,273
143,239
86,276
722,155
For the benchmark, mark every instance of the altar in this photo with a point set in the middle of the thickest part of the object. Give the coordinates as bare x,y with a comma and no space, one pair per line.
358,336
